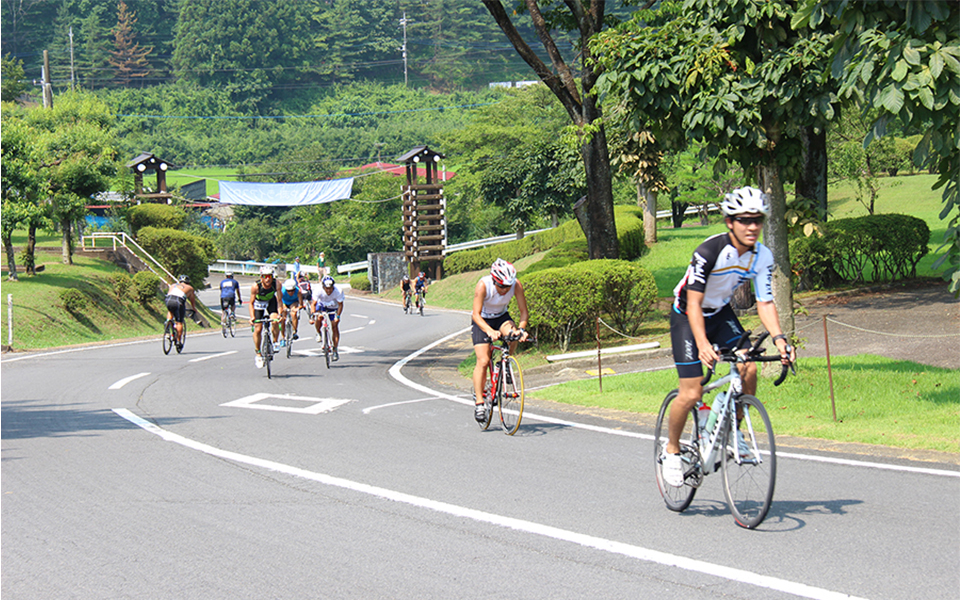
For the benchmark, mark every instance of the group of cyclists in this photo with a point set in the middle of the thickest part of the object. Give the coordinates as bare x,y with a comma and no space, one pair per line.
417,286
701,315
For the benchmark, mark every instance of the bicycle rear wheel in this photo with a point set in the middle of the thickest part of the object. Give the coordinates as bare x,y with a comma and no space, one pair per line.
750,475
183,338
511,396
233,325
167,337
224,323
677,498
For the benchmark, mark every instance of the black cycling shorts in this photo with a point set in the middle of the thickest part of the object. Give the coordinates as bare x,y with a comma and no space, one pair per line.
228,303
177,305
480,336
264,308
723,329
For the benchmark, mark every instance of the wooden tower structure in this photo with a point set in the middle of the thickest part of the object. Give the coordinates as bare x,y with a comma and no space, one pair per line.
146,163
424,207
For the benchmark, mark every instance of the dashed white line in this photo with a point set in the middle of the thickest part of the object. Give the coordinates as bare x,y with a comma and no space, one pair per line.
588,541
126,380
209,356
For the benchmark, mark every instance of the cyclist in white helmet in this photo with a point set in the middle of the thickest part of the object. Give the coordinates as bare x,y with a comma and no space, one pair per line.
330,301
702,315
491,298
264,304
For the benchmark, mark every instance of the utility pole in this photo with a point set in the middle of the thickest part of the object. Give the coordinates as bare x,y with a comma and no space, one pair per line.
403,23
47,87
72,72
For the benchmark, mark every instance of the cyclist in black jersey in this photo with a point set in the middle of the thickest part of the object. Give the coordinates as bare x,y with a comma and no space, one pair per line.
264,296
702,315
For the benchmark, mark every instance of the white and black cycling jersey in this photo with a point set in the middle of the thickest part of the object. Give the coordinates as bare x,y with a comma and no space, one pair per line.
717,269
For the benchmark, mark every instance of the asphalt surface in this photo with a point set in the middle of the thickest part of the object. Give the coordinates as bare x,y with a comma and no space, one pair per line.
127,473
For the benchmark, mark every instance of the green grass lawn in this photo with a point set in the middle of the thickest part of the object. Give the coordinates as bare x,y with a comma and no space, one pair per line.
878,400
211,174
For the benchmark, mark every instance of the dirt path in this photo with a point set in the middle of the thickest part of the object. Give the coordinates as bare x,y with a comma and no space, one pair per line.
918,322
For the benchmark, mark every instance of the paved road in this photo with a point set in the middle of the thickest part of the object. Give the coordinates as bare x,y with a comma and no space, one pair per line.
126,473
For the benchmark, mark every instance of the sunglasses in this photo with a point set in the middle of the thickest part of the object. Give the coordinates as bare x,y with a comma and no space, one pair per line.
749,220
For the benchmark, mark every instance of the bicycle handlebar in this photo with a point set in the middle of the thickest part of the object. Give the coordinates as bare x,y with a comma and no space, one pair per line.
754,354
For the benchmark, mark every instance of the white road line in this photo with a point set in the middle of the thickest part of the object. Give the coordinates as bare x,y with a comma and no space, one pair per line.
209,356
360,316
587,541
367,411
126,380
396,374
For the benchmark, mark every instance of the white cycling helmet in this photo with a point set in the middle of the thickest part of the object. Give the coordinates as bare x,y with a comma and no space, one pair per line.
745,200
228,274
290,285
327,282
503,273
266,270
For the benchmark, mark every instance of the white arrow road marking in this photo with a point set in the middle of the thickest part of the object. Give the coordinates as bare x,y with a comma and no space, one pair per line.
126,380
209,356
587,541
317,405
319,351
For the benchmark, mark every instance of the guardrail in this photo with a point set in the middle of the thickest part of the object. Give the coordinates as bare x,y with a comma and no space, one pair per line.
251,268
126,241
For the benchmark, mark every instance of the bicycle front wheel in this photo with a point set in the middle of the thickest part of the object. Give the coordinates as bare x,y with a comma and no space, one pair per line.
677,498
749,464
511,396
326,345
266,348
167,337
288,335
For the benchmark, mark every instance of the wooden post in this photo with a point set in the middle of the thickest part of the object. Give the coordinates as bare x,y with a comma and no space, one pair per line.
826,342
599,363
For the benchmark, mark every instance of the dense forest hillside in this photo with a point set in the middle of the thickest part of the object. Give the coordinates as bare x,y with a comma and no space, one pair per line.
262,51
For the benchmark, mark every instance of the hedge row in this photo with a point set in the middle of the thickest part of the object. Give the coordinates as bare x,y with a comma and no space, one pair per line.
564,302
887,246
181,252
565,244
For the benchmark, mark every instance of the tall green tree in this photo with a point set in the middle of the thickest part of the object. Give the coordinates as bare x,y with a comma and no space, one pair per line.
577,97
352,39
735,75
254,49
902,59
14,84
92,62
23,186
78,157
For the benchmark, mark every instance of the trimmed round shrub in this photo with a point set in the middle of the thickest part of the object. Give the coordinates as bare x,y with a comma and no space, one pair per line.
72,300
122,284
161,216
146,286
360,282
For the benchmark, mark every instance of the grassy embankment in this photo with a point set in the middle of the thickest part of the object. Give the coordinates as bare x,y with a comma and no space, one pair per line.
40,321
879,400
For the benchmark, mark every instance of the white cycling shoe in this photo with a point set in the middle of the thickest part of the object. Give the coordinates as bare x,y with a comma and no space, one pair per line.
671,468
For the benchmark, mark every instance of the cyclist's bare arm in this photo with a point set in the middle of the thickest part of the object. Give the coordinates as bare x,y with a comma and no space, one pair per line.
479,293
767,311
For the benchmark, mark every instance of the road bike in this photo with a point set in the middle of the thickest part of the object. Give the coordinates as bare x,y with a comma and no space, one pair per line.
406,303
288,330
228,322
266,342
420,302
504,390
170,339
734,436
325,335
